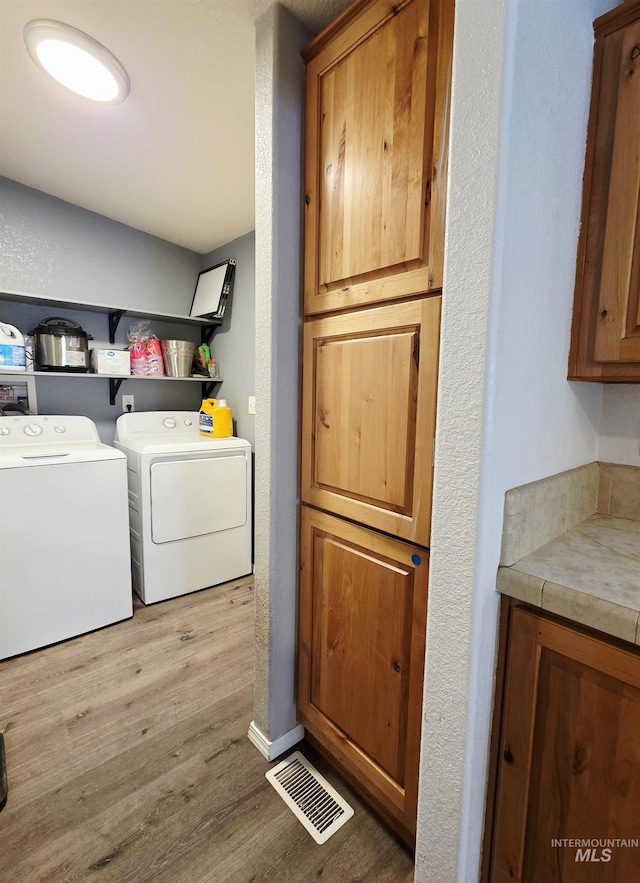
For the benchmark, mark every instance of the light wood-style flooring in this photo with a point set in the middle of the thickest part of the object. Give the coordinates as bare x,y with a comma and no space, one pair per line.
128,761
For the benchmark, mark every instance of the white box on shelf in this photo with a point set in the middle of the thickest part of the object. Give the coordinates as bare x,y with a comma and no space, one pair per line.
111,362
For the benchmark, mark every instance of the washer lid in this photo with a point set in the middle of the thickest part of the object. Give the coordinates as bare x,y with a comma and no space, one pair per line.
37,440
17,457
31,429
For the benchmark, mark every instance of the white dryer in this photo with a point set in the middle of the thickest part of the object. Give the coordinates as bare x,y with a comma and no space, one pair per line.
189,504
64,551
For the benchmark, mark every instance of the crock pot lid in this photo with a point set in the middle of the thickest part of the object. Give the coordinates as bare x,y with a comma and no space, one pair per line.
59,327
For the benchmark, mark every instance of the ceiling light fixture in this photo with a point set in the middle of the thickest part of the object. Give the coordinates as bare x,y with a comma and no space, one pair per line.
77,61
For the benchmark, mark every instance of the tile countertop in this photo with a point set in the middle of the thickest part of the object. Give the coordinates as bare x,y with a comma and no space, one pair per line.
590,574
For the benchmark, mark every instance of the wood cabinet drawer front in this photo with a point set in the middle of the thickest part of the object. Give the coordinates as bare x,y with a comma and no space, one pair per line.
569,762
376,154
369,391
362,640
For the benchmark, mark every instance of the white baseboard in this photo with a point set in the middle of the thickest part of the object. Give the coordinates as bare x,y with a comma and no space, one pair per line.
271,750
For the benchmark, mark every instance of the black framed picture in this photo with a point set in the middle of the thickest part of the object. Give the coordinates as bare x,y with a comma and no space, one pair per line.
212,291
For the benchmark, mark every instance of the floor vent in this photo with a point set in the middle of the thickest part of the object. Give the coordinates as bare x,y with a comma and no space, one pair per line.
309,796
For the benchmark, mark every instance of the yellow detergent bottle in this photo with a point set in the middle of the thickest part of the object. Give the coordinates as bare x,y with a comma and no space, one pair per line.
216,419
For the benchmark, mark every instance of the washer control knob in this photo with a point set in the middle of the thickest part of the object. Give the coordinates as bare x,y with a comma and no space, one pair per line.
169,422
32,429
4,430
61,428
188,422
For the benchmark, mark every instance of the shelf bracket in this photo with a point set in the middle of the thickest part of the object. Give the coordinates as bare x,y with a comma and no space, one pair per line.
208,386
207,332
114,385
114,321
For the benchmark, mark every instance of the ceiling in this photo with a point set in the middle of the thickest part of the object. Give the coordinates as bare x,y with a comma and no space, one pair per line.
176,159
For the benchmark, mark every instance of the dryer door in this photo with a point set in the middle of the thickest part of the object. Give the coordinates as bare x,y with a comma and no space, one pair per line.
192,497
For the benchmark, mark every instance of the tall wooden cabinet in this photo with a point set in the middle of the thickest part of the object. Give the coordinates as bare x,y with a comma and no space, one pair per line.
376,149
605,343
568,787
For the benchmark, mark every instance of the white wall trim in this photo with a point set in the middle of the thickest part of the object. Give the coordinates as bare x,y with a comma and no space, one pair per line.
271,750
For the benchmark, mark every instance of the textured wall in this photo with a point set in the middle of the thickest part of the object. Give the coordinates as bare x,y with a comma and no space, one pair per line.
234,344
53,248
50,247
280,78
620,426
506,414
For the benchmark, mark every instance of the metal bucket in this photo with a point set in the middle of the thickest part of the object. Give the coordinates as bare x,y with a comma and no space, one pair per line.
178,357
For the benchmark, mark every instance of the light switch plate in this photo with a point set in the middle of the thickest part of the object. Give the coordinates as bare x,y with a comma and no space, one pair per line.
252,404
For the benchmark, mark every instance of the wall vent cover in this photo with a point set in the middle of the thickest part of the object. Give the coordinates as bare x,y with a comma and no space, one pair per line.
309,796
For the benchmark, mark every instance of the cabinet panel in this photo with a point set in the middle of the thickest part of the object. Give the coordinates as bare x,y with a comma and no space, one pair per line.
361,615
362,642
606,324
369,396
376,155
372,152
569,757
351,455
617,338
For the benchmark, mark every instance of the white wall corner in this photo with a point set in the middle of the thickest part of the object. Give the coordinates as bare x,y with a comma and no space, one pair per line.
271,750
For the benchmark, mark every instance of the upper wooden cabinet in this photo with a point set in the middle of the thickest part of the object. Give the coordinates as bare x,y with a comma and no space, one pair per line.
368,415
605,343
378,85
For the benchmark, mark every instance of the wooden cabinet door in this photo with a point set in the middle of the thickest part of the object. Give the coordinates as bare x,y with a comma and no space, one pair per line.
368,415
362,622
569,762
376,149
606,330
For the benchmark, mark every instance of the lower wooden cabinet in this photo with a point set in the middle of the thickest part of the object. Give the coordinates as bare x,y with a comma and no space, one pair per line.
567,803
362,623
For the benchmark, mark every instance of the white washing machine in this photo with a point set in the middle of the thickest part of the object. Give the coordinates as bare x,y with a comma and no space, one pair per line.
189,504
64,550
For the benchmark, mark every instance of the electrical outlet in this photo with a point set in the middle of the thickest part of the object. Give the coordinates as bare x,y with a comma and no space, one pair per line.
127,404
252,404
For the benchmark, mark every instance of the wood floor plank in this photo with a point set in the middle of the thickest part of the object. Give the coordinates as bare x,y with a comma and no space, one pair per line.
128,762
206,734
95,844
144,639
139,712
110,696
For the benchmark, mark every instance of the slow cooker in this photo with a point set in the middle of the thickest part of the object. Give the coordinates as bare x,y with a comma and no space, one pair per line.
61,345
